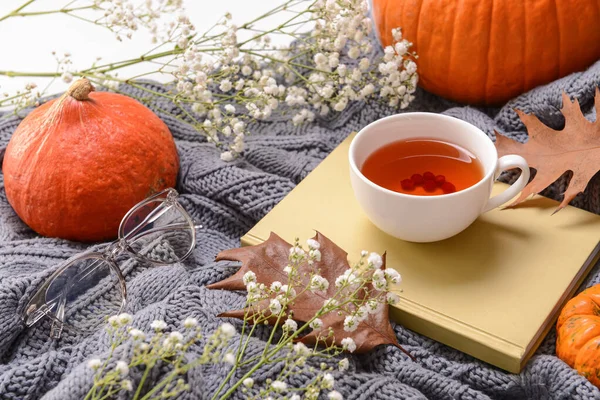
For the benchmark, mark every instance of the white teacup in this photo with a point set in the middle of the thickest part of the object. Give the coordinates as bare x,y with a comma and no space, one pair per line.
430,218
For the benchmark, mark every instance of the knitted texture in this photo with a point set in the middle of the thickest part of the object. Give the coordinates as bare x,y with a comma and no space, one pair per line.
228,199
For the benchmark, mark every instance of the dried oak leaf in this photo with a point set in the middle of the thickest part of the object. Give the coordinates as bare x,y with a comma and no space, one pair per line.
576,148
267,261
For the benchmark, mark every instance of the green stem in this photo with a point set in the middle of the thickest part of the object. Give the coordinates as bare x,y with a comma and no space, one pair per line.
160,385
16,11
239,382
281,26
238,359
109,394
61,11
11,74
141,384
125,63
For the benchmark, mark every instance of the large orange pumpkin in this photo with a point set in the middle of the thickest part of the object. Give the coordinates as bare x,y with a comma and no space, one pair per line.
578,334
77,164
486,51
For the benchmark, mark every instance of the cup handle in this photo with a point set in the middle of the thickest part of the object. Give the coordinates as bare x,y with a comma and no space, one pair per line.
506,163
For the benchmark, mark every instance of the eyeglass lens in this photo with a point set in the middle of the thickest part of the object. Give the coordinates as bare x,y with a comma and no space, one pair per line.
159,232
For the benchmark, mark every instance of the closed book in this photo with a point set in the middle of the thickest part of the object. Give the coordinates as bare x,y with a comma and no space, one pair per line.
493,291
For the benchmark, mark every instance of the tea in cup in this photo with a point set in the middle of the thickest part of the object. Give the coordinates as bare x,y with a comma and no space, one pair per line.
424,177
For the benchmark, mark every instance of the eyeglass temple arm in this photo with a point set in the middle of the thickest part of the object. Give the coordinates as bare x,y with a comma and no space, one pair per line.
59,316
58,322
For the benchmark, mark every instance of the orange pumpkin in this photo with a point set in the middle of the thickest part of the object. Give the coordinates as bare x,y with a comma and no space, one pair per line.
485,51
77,164
578,334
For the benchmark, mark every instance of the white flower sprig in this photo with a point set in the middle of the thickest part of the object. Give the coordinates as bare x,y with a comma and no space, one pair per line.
222,81
163,344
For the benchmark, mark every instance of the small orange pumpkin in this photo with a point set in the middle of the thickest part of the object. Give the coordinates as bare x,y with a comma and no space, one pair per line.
77,164
485,51
578,334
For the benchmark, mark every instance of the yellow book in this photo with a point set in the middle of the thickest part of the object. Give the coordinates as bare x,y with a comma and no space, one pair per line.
492,291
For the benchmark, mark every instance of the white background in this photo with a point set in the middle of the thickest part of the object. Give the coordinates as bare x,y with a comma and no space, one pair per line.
26,43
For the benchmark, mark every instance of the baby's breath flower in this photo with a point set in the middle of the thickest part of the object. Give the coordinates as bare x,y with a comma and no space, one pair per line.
315,255
175,337
335,395
348,278
297,251
137,334
378,276
249,277
316,324
348,344
327,381
290,325
248,382
354,52
276,287
313,244
190,322
279,386
392,275
392,298
125,318
330,304
229,359
289,290
295,397
227,156
225,85
375,260
246,70
113,321
94,363
343,364
158,325
275,306
318,283
380,285
126,385
122,367
372,306
301,349
227,330
361,313
350,323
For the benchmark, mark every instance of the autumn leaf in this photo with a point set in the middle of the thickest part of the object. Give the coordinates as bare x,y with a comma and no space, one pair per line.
576,148
268,259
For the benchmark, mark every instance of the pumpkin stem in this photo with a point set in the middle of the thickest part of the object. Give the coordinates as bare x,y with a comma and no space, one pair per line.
81,89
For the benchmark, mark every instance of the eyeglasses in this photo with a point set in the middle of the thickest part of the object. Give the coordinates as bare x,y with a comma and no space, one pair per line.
90,286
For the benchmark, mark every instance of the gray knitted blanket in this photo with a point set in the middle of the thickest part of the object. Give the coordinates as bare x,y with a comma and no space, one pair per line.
228,199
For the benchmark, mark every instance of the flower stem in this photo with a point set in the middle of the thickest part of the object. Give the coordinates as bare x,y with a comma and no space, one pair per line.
59,11
16,11
141,384
239,382
11,74
238,359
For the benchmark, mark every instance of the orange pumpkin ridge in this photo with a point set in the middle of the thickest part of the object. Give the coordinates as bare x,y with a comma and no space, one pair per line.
76,164
487,52
578,334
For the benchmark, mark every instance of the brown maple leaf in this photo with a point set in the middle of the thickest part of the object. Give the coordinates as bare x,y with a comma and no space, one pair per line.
576,148
268,259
